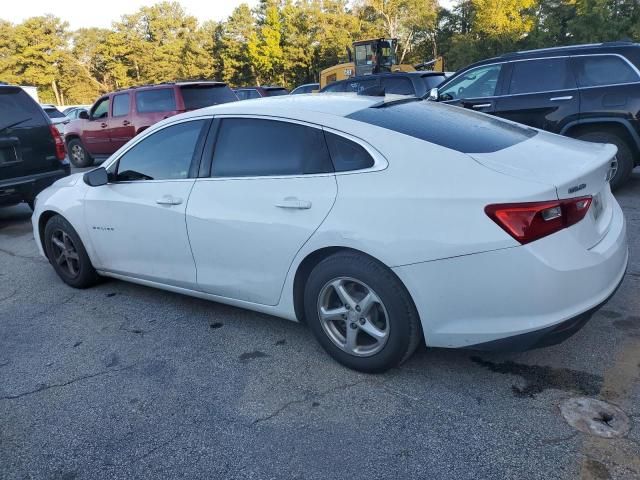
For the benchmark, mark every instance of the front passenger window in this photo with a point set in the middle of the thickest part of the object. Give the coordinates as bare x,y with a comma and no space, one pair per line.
164,155
479,82
101,109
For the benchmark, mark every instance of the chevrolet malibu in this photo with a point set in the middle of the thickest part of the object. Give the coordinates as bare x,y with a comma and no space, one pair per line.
376,221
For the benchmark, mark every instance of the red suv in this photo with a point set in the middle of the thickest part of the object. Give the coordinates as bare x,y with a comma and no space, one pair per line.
117,117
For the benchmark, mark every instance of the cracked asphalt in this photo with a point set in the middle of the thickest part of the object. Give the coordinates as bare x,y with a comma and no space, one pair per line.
122,381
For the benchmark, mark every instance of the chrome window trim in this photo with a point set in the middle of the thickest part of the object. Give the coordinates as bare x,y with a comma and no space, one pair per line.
380,162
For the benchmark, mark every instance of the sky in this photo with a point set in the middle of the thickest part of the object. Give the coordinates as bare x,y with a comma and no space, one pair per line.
91,13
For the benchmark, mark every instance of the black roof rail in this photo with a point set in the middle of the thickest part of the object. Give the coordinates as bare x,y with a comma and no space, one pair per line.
612,43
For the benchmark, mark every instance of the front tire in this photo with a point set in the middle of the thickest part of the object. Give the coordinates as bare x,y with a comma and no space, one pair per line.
624,157
67,254
361,313
78,155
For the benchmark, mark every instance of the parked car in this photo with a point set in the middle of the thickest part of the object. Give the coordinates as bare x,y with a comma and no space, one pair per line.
73,113
258,92
119,116
417,84
32,154
307,88
377,222
58,119
590,92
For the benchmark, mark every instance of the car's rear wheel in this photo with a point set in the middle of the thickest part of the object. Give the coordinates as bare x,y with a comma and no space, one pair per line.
78,154
361,313
623,162
67,254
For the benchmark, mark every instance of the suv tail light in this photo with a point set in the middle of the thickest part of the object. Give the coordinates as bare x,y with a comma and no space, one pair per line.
531,221
61,151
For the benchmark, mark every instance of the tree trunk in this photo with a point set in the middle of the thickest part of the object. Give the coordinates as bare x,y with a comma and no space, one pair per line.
54,87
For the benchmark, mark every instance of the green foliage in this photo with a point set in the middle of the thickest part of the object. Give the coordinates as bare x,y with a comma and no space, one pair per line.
288,42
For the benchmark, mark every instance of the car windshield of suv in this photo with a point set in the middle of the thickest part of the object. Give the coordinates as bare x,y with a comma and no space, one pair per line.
200,96
54,113
276,92
478,82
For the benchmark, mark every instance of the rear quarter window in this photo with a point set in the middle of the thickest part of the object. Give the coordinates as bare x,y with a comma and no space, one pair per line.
451,127
17,106
156,100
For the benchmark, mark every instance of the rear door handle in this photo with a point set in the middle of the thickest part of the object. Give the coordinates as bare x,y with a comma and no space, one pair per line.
169,200
294,203
481,105
561,99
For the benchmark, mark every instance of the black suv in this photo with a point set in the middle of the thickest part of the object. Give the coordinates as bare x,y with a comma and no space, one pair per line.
590,92
32,153
400,83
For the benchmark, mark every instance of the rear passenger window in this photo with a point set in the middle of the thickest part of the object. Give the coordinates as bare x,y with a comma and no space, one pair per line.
156,100
249,147
546,75
597,70
347,155
121,105
398,85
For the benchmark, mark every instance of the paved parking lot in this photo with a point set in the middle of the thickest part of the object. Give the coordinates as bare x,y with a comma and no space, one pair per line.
123,381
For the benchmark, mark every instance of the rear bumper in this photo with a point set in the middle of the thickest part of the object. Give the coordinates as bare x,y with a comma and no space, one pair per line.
18,189
520,297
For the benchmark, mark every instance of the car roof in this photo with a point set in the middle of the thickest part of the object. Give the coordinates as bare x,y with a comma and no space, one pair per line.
169,84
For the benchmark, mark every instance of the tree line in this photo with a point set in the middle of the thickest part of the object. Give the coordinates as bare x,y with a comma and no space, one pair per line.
288,42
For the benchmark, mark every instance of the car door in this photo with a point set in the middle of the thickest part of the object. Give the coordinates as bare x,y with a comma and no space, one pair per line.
136,222
95,136
271,185
121,129
541,93
476,88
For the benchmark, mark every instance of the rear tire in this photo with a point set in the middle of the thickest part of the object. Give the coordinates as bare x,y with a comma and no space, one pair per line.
624,156
78,155
67,254
361,313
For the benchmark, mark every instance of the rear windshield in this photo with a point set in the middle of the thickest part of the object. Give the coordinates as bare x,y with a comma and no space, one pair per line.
200,96
451,127
18,108
432,81
276,92
54,113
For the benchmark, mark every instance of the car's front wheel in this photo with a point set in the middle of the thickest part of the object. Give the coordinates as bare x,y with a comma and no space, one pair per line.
67,254
78,154
361,313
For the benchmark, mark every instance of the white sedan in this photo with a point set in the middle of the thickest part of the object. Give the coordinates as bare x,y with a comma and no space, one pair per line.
376,221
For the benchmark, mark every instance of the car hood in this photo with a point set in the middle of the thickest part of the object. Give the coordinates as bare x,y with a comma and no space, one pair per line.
68,181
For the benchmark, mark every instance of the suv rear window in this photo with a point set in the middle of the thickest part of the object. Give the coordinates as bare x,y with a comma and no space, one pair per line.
398,85
451,127
276,92
200,96
53,112
17,107
156,100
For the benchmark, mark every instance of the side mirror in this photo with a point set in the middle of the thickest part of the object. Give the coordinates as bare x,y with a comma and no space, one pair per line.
434,94
84,115
96,177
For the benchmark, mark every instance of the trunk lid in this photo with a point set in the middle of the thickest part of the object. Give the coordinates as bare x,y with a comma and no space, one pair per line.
573,167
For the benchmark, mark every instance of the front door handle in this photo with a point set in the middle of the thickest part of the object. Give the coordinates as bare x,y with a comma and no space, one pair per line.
294,203
103,125
169,200
561,99
126,122
481,105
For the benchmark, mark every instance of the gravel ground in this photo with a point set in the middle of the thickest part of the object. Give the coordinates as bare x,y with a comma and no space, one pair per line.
122,381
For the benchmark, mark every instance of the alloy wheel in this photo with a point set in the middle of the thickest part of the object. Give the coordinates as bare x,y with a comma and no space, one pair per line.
353,317
77,153
65,253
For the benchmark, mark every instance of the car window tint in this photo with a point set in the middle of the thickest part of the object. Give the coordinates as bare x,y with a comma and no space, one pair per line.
360,85
398,85
253,94
346,154
442,125
476,83
101,109
255,147
17,107
200,96
541,76
164,155
599,70
54,113
432,81
336,87
156,100
276,92
121,105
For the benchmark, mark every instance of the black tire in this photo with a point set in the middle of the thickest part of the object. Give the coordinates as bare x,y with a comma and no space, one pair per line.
85,275
403,331
624,156
78,155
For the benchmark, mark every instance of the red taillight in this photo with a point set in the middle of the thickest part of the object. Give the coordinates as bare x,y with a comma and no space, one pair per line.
61,152
531,221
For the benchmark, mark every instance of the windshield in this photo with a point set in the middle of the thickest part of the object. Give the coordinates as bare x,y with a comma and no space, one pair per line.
200,96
